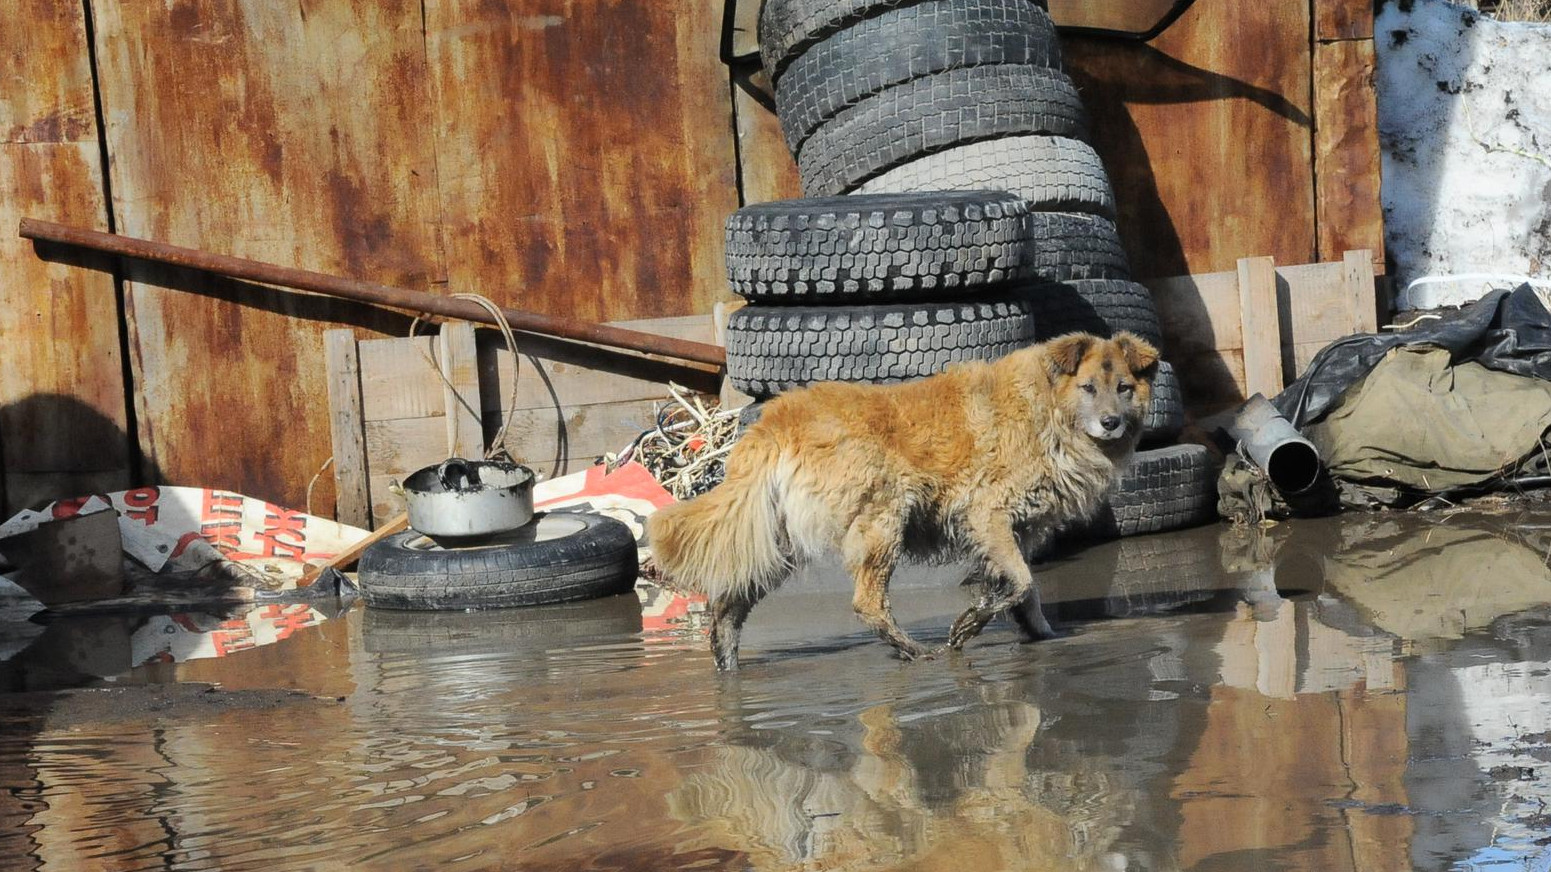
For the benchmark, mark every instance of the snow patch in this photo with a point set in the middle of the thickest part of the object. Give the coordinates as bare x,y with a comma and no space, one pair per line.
1465,132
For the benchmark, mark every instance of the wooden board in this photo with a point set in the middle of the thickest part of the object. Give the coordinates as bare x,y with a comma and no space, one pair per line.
567,413
1343,19
62,402
292,133
1206,135
1262,326
1203,326
1346,149
459,364
586,153
346,425
768,171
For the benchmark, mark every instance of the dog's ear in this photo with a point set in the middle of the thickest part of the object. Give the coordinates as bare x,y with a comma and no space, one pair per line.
1066,352
1141,356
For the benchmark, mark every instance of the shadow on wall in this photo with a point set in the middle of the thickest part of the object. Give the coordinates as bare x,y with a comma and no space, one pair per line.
1109,81
55,446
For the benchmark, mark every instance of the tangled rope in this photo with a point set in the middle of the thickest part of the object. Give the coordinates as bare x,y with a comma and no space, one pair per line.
687,449
497,447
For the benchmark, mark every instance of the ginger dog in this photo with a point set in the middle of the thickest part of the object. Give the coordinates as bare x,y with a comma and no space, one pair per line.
985,461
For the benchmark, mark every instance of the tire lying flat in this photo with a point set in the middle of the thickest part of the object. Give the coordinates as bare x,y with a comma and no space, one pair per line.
932,113
1164,489
880,247
1098,306
903,43
1071,246
1166,413
1051,173
788,27
771,349
559,557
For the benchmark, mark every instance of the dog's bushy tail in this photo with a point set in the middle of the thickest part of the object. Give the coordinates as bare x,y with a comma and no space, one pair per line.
730,540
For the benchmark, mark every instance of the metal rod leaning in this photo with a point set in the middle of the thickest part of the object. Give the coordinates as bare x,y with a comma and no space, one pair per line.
369,292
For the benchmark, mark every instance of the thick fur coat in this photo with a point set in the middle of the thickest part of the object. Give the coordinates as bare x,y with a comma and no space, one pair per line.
983,461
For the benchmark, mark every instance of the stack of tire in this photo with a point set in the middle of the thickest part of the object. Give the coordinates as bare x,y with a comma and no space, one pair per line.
917,98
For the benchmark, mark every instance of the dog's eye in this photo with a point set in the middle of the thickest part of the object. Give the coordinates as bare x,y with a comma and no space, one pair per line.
1123,388
1088,386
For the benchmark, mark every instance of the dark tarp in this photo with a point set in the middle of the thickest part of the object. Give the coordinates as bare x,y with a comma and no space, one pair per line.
1429,424
1508,331
1394,427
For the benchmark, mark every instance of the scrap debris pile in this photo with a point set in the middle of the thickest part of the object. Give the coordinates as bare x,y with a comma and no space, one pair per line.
687,449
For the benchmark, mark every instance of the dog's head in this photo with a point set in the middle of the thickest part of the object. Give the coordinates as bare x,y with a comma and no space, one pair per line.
1104,384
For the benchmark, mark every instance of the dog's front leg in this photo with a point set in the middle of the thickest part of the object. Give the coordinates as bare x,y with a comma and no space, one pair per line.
1030,614
993,536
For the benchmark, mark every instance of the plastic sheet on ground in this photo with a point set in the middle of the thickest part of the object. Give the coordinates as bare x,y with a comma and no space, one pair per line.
176,530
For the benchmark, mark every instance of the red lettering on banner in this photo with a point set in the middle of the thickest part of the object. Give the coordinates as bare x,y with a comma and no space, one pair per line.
284,533
141,503
221,520
287,619
232,636
184,542
70,508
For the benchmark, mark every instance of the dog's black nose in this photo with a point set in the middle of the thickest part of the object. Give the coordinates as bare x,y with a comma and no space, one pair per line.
1110,422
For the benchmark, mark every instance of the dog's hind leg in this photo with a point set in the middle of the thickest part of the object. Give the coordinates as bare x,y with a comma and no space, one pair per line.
1003,560
870,549
728,612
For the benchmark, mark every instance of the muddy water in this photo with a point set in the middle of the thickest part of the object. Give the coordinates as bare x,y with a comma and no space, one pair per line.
1364,695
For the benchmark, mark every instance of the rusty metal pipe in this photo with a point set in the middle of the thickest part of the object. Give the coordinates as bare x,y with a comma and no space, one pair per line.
1269,441
368,292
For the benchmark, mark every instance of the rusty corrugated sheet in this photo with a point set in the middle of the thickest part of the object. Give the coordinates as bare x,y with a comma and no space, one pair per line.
62,405
586,153
296,133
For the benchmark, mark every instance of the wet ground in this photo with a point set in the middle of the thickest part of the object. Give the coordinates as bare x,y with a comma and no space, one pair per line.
1367,694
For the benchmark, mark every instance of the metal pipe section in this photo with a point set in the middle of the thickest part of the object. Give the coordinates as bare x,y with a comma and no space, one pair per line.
368,292
1269,441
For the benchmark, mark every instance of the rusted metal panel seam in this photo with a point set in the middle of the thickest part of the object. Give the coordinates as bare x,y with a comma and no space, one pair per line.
120,298
438,281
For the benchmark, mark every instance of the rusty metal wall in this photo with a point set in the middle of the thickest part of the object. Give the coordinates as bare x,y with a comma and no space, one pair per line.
62,412
568,156
1207,136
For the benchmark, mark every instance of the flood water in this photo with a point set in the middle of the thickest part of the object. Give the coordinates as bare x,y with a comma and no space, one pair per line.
1372,693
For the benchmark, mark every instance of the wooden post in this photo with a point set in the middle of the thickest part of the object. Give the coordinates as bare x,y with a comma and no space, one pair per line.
1360,290
1262,325
352,505
460,365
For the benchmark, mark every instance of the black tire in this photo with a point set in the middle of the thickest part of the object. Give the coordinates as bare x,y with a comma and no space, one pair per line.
888,246
1164,489
788,27
1166,413
1051,173
771,349
1098,306
560,557
1069,246
929,114
904,43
